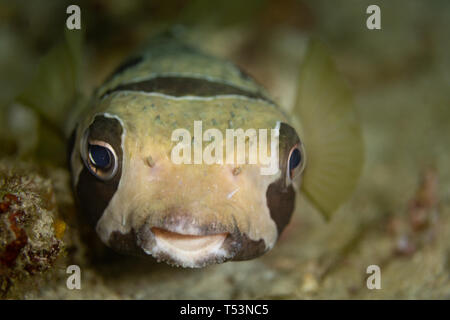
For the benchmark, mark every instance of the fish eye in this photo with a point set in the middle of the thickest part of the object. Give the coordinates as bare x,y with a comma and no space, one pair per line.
100,158
295,163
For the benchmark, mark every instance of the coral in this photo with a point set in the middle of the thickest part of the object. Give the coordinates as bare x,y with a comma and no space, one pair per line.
30,230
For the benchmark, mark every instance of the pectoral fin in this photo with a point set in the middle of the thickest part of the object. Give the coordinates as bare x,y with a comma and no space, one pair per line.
331,132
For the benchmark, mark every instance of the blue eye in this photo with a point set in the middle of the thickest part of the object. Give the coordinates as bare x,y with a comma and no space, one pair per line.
295,162
101,159
295,159
100,156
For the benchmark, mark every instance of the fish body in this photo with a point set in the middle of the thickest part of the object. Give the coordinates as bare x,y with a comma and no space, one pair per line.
212,206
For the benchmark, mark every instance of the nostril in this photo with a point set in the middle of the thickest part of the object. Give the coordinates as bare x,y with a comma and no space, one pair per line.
236,171
149,161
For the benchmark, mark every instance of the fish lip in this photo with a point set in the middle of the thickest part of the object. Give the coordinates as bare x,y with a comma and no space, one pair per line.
183,233
186,247
188,243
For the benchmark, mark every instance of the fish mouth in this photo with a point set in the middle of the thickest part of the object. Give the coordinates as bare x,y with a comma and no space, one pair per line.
183,243
187,249
188,245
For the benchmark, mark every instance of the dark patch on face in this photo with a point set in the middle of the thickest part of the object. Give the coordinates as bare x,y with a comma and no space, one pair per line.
93,194
281,204
125,243
281,197
186,86
249,249
126,65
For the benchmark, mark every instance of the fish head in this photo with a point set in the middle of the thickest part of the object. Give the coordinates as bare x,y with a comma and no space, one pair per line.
199,212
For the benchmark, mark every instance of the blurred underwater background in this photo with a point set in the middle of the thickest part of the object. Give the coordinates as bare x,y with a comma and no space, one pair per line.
398,218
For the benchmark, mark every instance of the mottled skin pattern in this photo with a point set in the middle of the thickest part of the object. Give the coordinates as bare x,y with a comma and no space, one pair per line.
167,87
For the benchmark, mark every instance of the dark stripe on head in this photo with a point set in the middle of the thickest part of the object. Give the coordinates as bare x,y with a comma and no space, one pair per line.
243,74
280,197
93,194
186,86
124,66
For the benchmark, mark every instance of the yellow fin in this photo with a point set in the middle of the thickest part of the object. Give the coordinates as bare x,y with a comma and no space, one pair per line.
331,132
55,86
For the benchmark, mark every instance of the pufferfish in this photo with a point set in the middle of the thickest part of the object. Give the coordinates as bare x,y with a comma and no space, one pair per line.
193,215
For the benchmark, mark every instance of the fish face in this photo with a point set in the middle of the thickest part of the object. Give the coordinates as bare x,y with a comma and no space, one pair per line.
141,201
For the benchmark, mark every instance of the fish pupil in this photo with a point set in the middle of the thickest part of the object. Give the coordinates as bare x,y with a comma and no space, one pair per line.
295,159
100,156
